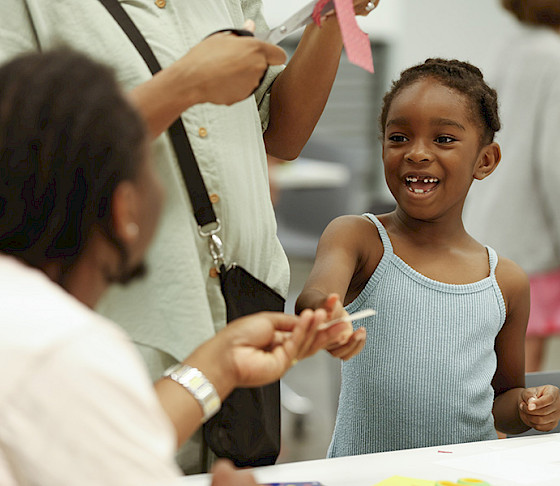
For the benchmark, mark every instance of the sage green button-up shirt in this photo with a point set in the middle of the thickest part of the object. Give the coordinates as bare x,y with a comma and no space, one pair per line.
178,305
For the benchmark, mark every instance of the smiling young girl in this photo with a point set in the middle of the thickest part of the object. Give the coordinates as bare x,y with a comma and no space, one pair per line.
443,362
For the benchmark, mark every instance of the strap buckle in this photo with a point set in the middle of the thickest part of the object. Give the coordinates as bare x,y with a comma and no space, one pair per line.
214,243
216,250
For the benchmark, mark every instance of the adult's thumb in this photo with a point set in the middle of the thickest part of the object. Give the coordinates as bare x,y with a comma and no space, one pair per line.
274,54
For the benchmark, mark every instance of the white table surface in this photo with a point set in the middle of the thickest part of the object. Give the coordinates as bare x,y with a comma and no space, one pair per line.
533,460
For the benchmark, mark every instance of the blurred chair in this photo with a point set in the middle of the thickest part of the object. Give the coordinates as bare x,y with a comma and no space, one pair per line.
299,406
537,379
311,194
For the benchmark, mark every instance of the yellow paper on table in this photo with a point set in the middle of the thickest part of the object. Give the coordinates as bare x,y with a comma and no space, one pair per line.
402,481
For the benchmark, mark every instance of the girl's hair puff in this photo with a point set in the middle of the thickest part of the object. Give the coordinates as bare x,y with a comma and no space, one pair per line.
460,76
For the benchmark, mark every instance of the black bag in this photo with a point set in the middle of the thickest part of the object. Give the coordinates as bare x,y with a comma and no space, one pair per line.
247,428
244,294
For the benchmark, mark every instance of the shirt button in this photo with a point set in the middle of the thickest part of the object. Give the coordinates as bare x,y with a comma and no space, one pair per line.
160,3
202,132
214,198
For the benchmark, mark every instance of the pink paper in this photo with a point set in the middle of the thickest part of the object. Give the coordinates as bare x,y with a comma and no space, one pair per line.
356,42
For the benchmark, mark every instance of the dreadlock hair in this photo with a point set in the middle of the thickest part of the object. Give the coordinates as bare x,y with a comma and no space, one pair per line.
67,138
461,77
535,12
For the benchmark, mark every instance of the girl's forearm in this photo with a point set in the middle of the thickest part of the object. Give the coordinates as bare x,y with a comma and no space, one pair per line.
506,412
300,92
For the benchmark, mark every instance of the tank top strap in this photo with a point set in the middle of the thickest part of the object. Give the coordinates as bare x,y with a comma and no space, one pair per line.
387,246
492,260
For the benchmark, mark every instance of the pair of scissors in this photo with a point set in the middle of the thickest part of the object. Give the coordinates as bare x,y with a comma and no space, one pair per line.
298,20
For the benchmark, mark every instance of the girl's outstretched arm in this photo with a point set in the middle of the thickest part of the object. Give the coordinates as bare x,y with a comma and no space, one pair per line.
342,254
335,262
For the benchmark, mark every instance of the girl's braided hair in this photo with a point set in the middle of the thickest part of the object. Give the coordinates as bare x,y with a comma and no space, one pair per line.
457,75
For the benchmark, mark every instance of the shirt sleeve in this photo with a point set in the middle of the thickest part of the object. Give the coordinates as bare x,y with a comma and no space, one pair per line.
86,414
252,9
16,30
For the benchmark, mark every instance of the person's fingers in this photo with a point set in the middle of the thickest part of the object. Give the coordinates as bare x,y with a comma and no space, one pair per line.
225,474
542,423
314,340
354,346
359,340
280,337
365,7
274,55
330,302
541,409
298,340
225,68
527,395
333,337
361,7
281,321
538,398
339,334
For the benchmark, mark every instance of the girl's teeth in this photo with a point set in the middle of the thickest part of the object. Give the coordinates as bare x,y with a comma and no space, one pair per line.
419,191
426,180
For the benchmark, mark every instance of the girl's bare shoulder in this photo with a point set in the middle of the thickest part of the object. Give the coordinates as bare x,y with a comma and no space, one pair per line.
360,239
511,277
513,282
352,231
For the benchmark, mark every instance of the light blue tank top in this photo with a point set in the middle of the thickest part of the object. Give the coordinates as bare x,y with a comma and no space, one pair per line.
424,376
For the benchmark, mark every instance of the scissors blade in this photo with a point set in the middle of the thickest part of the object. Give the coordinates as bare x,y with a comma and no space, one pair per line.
300,19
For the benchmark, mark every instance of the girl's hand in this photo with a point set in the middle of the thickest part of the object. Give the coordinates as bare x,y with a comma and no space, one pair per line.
361,7
348,342
539,407
334,307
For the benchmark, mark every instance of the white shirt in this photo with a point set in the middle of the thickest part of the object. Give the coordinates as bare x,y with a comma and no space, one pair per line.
516,209
76,403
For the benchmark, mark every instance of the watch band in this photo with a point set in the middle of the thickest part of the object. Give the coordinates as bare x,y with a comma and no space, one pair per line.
198,386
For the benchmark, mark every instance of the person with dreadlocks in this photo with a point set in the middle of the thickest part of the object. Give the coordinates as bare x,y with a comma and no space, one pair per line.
80,200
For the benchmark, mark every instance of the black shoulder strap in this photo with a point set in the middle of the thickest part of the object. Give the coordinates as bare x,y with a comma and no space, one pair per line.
203,211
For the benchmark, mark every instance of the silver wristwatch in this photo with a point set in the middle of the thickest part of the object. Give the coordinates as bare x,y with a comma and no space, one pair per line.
198,386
